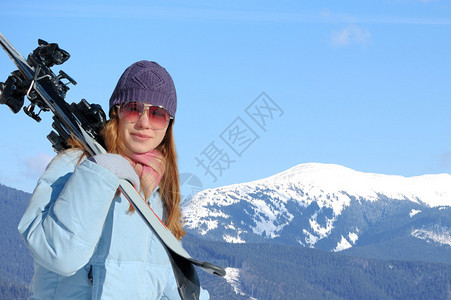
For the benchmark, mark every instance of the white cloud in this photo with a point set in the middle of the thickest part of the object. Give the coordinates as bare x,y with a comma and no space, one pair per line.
350,35
35,165
24,174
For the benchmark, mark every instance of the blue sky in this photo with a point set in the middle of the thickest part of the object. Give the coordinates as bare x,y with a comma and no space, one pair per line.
262,85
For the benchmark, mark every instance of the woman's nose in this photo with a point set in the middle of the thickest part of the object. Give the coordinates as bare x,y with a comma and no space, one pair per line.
144,121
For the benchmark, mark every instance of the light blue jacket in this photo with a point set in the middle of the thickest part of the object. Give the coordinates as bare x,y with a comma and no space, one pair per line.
76,228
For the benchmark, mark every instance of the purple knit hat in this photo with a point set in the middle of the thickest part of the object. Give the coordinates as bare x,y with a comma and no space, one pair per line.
148,82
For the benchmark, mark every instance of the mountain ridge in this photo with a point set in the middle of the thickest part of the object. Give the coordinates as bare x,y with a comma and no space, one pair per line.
310,173
325,206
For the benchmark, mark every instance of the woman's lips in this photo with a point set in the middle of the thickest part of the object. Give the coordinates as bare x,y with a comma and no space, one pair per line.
140,136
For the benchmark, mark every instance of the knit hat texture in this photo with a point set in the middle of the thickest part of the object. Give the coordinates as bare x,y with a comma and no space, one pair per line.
148,82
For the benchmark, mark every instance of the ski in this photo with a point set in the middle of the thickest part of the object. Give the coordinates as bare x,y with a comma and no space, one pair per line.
83,121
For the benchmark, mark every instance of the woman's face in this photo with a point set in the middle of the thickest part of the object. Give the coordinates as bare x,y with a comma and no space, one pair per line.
139,137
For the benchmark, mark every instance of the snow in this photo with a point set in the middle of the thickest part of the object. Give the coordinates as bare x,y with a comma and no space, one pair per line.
320,179
233,239
322,232
437,234
202,217
414,212
353,237
310,239
329,186
266,217
342,245
233,278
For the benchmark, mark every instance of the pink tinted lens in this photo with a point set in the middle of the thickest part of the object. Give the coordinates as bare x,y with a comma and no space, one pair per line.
158,117
132,112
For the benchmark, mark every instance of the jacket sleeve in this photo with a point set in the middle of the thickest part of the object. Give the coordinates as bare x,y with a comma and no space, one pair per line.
64,219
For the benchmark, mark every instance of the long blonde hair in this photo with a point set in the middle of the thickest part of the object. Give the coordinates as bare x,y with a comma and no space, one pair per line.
169,183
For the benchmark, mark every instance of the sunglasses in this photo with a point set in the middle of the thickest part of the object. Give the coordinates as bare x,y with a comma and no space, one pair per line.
132,112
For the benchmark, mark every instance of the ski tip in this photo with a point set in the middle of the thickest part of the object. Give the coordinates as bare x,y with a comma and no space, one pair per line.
212,269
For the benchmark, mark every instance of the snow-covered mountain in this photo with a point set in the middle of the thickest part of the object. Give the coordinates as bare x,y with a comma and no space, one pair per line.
325,206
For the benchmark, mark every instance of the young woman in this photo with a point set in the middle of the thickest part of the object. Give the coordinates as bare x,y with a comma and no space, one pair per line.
85,238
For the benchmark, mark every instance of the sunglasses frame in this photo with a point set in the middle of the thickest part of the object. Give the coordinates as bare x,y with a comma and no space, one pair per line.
146,106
